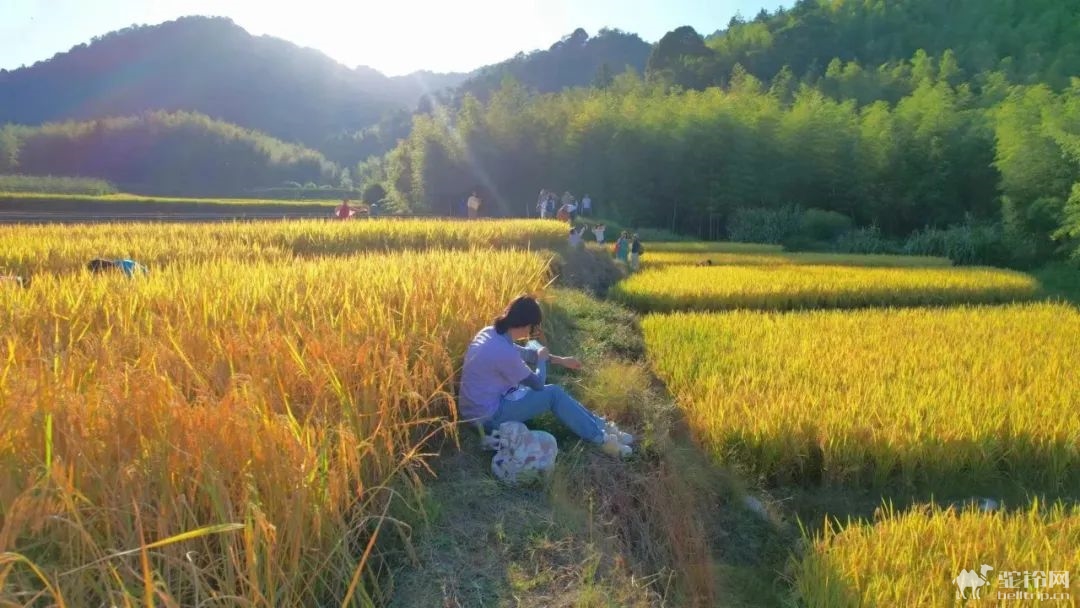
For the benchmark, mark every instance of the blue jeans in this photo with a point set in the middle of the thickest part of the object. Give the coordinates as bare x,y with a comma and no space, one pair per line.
554,399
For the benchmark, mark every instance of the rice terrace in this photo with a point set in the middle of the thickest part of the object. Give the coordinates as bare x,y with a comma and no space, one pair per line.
782,315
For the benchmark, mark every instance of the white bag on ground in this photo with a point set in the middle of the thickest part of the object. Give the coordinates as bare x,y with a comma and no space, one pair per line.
523,456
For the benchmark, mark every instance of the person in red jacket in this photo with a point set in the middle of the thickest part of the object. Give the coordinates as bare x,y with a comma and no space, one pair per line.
344,211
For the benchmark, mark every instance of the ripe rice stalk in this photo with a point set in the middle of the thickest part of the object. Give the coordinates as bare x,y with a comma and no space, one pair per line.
683,258
790,287
955,399
912,558
142,420
33,250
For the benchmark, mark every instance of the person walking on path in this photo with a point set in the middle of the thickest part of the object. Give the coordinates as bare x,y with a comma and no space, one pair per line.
496,369
474,206
586,206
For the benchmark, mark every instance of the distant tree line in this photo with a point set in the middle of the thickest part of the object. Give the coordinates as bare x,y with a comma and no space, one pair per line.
966,137
179,153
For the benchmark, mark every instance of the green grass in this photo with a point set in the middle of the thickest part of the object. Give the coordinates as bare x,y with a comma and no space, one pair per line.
54,184
1061,280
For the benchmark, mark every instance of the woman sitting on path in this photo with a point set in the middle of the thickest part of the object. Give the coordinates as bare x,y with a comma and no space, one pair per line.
495,367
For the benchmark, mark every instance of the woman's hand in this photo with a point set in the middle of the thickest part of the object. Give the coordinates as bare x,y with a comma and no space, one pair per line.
567,362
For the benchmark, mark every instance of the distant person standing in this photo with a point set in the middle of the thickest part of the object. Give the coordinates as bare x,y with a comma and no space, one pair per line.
563,214
636,249
622,247
598,232
542,204
344,210
474,206
576,242
586,206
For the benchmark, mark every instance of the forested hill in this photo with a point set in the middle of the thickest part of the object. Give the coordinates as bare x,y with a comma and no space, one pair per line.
211,66
179,153
954,123
575,61
1029,41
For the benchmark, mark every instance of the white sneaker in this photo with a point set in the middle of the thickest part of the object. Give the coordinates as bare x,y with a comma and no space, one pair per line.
624,438
614,448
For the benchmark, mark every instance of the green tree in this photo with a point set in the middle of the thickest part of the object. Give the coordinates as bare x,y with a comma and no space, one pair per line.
9,150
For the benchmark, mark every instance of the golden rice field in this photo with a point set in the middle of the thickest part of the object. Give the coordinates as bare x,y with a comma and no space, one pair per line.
796,287
230,429
958,398
55,248
912,558
687,258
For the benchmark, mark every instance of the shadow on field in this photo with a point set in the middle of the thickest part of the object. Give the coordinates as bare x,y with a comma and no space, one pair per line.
1011,470
786,301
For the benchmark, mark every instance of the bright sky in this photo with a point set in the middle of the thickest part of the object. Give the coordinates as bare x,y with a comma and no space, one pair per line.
392,36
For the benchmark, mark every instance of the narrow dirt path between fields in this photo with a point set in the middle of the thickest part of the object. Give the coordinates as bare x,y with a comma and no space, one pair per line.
666,528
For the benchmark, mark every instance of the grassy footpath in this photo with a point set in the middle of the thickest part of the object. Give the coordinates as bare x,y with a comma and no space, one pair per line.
669,527
665,528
